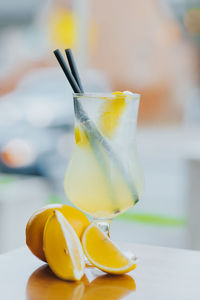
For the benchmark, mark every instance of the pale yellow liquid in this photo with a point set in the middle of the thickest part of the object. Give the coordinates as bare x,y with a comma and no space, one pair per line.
89,189
93,181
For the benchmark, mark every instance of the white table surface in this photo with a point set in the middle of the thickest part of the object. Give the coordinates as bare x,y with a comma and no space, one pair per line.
162,273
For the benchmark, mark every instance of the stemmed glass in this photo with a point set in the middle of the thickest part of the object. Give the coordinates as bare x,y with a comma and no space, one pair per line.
104,177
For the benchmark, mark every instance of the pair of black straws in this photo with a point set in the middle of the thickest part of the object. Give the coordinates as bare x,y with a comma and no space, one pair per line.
72,75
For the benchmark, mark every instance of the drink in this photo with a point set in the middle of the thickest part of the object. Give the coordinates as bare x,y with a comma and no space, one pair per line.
104,177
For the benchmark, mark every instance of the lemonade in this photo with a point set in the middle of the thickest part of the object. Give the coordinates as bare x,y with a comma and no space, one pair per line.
104,177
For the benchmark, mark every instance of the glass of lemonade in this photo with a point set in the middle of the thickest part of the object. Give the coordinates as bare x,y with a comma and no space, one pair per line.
104,177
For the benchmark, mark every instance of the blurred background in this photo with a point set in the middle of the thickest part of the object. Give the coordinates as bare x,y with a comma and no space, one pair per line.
149,47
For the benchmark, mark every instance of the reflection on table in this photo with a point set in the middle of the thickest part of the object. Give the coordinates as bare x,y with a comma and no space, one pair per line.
43,285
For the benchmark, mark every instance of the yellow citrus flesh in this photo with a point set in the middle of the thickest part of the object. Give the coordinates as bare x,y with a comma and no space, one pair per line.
80,137
112,111
62,248
103,254
36,224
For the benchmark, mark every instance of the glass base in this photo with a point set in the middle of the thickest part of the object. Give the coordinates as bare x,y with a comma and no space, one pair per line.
104,225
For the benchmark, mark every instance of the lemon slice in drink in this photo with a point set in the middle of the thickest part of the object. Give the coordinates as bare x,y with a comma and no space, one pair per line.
62,248
111,113
80,137
103,253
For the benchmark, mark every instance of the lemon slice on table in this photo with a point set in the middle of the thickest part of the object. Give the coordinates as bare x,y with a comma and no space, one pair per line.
111,113
103,253
62,248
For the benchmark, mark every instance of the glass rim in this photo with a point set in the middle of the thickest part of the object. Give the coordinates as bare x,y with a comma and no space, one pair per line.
102,96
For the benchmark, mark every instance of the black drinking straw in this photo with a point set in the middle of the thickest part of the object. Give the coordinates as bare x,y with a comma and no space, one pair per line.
73,68
67,72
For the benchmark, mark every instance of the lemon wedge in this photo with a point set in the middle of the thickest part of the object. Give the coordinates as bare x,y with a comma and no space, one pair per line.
111,112
36,223
80,137
103,253
62,248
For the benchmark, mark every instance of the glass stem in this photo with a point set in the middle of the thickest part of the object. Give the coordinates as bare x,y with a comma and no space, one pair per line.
104,225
